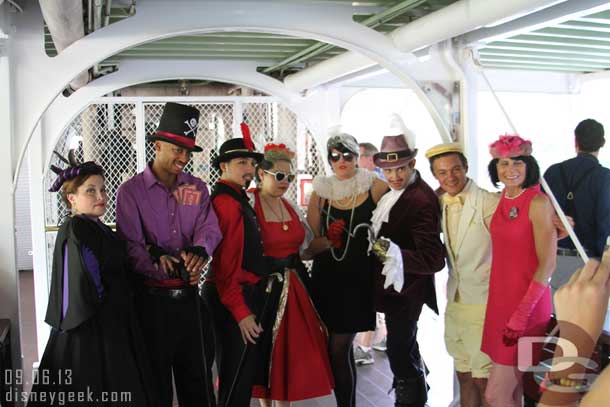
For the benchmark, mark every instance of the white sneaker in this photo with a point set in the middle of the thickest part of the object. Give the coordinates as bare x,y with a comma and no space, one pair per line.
381,346
363,357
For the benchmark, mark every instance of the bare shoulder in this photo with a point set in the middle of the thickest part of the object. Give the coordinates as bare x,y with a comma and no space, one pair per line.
540,202
378,188
315,200
540,207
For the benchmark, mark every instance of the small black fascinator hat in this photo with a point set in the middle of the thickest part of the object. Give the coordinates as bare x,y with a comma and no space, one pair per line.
73,170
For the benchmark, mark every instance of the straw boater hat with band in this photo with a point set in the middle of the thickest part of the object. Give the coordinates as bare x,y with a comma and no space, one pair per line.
237,147
178,125
396,150
444,148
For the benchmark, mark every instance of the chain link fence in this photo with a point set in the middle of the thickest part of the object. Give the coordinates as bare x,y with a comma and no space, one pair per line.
112,133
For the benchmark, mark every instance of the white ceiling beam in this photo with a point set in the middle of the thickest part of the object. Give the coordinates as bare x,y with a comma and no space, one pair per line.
553,15
456,19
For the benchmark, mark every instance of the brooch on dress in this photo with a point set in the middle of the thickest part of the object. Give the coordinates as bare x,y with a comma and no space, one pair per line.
513,213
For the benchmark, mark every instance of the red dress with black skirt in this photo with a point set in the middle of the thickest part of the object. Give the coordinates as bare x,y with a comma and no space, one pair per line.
299,368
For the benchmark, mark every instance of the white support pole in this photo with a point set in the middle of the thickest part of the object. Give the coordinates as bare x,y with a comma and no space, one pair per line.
39,237
238,116
301,146
140,136
9,276
469,102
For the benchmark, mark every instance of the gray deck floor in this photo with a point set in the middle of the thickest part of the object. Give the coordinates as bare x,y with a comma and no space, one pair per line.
374,380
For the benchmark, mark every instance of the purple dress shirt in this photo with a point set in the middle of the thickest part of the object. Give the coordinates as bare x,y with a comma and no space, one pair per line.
148,213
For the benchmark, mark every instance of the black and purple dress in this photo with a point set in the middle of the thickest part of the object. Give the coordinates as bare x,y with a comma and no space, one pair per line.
95,347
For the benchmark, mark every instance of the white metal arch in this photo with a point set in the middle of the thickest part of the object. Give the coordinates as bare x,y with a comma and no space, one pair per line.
63,110
40,79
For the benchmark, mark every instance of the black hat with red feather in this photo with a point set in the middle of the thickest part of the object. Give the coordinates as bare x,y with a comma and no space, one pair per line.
237,147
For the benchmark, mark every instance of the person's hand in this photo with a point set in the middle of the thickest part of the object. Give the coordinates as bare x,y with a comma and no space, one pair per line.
317,245
334,233
510,336
167,262
193,262
581,306
194,266
583,301
380,248
250,330
562,232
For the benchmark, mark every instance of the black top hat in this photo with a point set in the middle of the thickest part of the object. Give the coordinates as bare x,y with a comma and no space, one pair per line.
234,148
178,126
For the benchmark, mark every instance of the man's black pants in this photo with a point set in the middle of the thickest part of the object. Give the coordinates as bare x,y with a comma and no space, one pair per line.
403,351
234,381
171,330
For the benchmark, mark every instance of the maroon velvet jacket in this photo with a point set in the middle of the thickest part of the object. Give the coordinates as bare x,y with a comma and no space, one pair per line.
414,225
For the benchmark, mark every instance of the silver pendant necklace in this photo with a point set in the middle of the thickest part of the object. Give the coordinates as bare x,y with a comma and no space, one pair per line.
514,211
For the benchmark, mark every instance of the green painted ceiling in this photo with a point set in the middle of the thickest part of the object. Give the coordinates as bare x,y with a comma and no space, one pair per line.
283,54
581,45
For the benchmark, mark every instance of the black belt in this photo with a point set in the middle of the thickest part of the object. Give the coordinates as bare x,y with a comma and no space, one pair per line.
570,252
278,265
173,293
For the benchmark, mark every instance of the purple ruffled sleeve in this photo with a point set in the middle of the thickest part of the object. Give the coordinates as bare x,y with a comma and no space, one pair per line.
93,267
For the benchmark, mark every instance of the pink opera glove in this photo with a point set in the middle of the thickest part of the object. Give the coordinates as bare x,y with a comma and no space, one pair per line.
517,323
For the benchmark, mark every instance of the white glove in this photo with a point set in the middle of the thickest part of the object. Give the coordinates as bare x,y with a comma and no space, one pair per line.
393,268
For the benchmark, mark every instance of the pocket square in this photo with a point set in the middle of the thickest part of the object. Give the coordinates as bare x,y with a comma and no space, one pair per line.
191,197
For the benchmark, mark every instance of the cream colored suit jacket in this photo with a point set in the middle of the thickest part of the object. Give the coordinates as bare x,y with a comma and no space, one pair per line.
470,265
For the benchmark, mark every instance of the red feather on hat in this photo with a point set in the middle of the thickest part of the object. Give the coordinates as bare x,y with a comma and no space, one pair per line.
245,131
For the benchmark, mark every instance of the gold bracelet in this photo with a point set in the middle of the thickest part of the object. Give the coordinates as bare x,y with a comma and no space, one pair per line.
577,384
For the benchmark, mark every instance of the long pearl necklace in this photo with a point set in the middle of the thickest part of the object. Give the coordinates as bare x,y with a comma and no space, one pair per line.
349,235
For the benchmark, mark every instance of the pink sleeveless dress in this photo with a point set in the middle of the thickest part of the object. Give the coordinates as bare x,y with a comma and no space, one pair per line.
513,265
